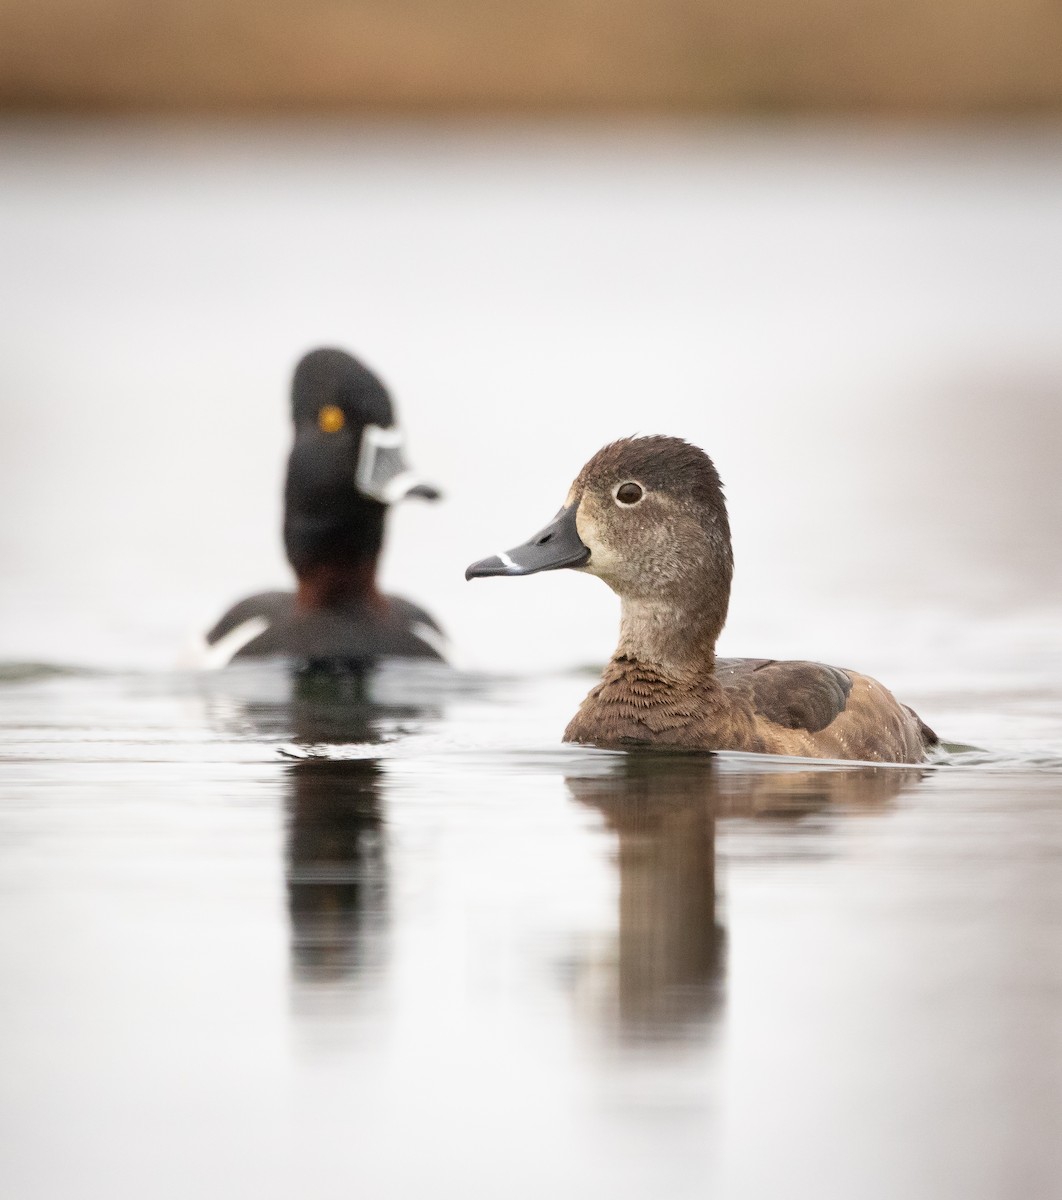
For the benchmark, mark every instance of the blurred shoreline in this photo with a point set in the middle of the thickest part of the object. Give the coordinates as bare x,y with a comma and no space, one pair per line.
539,57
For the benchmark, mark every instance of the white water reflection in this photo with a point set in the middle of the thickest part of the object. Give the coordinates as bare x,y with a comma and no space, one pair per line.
564,968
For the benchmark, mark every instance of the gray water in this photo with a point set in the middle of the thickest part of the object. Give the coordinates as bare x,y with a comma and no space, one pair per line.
269,935
264,936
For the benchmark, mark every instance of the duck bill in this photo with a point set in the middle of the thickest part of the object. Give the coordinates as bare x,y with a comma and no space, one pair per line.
382,472
556,546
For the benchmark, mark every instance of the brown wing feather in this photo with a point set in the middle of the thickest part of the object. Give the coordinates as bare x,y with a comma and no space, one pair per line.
794,695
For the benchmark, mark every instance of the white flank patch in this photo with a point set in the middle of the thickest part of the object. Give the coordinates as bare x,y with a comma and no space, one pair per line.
431,637
222,652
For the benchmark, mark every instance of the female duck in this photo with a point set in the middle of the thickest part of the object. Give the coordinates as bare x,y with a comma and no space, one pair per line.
346,467
647,516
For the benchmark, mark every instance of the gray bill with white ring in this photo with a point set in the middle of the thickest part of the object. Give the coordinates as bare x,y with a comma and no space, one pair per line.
556,546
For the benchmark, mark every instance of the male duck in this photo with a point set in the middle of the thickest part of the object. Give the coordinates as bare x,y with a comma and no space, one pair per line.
647,516
345,468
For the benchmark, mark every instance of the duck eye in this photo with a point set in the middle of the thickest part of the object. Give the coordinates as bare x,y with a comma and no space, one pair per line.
629,493
330,419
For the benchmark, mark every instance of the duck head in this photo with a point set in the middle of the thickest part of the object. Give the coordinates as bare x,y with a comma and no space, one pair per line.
647,516
346,467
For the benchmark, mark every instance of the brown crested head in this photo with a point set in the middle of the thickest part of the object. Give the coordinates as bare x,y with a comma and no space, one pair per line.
652,513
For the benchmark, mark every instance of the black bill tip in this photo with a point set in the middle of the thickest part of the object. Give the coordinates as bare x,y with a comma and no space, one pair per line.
556,546
497,564
423,491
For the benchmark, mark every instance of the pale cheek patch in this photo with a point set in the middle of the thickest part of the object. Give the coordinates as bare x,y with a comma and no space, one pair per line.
602,561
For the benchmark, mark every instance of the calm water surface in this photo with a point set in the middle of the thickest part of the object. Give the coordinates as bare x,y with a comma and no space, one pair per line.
392,939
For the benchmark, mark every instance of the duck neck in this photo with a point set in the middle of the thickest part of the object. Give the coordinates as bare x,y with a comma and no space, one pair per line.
331,583
678,642
333,548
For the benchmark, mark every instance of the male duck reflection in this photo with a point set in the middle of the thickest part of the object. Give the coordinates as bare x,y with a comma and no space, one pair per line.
345,468
647,516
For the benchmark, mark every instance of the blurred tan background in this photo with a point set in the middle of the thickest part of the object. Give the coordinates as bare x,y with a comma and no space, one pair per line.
949,57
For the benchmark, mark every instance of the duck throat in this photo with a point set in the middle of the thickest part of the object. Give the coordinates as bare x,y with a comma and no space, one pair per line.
333,546
335,583
676,641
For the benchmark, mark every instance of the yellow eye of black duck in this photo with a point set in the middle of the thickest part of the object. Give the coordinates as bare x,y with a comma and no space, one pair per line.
330,419
629,493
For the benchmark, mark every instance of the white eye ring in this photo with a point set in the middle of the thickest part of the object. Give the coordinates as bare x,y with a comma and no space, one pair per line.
630,486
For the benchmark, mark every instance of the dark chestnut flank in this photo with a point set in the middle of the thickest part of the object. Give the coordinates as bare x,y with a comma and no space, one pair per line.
647,516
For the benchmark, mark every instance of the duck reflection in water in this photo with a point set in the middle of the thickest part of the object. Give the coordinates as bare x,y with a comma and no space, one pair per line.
669,954
336,868
336,857
336,846
666,980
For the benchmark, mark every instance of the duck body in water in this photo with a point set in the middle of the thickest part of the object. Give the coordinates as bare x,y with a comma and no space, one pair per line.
647,516
345,469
